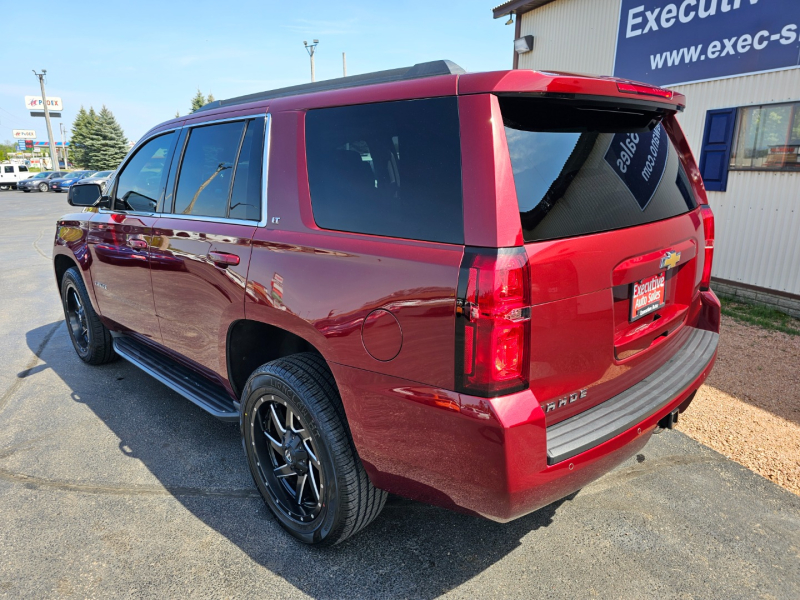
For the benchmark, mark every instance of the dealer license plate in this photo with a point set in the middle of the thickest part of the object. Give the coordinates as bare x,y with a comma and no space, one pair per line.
648,295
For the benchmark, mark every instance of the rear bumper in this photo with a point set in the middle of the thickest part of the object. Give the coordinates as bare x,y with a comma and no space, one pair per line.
495,457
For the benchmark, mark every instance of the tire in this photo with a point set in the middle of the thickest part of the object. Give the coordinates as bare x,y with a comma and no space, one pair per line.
339,500
43,187
90,338
5,187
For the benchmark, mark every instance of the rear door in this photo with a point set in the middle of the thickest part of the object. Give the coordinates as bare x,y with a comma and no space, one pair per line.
119,239
202,242
611,230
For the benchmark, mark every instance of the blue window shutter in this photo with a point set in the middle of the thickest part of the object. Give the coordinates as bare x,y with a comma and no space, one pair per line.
715,154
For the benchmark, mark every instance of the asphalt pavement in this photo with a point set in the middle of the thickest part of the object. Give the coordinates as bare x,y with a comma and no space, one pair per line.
111,485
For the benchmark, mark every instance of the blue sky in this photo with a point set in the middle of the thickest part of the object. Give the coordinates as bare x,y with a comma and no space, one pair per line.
144,60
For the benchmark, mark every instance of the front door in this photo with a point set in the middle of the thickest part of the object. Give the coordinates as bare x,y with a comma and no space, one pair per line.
202,242
120,240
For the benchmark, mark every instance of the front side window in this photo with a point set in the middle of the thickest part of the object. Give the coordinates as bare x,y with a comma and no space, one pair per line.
391,169
141,180
768,137
206,173
23,169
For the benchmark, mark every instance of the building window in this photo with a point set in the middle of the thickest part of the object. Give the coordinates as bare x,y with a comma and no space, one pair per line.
768,138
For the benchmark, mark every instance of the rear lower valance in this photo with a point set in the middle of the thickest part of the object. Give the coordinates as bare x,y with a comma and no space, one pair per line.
618,414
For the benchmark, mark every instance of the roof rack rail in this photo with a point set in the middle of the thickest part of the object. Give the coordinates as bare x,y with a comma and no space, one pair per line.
418,71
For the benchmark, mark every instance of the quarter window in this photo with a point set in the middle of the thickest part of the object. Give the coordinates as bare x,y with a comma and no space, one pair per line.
246,195
141,181
391,169
768,138
204,182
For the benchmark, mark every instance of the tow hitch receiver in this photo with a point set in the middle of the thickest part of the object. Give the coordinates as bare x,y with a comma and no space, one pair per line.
668,422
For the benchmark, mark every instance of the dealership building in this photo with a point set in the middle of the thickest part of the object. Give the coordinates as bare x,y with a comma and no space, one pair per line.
738,64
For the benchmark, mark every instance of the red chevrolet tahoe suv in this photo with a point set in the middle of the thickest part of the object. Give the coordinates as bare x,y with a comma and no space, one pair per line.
481,291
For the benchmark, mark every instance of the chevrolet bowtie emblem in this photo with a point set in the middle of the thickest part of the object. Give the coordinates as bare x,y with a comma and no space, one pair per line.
670,259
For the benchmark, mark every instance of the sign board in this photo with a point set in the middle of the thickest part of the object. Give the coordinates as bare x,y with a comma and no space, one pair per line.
40,113
35,103
21,145
668,42
24,134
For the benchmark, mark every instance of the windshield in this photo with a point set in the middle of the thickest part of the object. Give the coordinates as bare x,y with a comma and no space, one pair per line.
41,175
585,169
103,174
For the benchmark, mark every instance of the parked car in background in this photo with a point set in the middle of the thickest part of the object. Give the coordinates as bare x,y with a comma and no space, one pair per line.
481,291
40,181
100,178
64,183
11,174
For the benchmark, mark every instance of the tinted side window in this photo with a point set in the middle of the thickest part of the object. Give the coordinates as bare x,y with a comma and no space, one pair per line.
246,195
204,181
23,169
140,182
390,169
8,169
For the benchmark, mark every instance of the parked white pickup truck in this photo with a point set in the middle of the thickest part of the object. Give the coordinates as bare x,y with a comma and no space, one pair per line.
10,174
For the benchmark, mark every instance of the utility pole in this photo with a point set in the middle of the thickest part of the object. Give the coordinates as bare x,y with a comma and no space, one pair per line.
311,48
64,143
52,140
344,64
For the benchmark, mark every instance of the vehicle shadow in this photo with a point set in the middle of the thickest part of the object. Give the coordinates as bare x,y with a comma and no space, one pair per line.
410,550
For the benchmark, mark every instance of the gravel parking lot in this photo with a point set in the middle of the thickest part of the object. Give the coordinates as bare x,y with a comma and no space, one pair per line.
111,485
749,408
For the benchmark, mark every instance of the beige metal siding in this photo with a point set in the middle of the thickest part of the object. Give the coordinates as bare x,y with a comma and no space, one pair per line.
572,35
764,88
758,217
758,230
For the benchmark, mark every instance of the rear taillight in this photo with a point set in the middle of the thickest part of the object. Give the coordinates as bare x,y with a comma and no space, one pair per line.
493,322
708,230
644,90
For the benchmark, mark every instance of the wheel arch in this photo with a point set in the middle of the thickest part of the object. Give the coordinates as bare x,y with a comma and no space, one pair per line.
61,264
251,344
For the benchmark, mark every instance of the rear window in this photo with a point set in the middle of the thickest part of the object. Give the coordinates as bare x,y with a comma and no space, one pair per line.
390,169
582,169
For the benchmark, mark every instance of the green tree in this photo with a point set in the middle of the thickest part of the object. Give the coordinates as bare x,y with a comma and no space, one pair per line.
82,130
210,98
198,101
107,144
5,148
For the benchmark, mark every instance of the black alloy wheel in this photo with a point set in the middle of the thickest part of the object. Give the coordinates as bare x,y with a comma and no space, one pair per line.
300,452
43,187
77,320
90,338
288,460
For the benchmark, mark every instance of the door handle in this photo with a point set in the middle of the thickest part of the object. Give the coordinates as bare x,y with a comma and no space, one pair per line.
223,259
138,244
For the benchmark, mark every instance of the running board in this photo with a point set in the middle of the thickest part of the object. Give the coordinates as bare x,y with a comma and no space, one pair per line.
205,394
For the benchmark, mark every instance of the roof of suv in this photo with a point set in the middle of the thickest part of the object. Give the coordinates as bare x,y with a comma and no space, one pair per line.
427,80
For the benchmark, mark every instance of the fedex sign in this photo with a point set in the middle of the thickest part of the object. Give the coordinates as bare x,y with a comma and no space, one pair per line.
35,103
667,42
